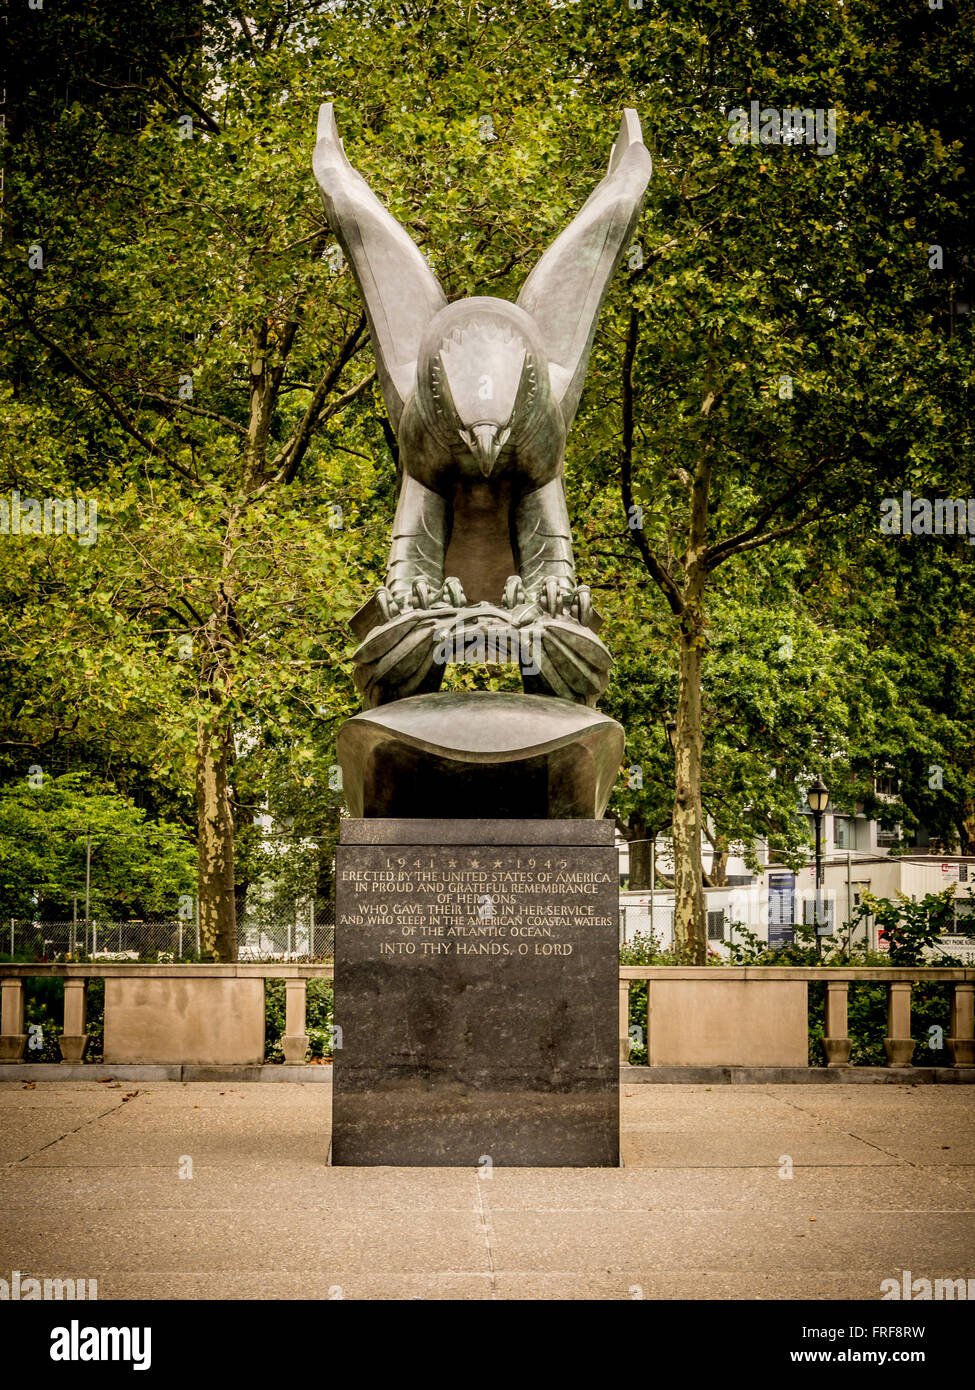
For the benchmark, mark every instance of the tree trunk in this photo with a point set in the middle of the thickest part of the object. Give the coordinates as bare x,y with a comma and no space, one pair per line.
637,835
215,840
966,838
690,934
718,876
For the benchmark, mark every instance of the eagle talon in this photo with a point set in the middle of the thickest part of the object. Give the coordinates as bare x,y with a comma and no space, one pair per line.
559,598
387,605
581,606
514,592
453,592
552,596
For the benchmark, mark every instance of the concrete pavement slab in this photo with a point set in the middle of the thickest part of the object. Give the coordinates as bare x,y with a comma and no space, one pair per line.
693,1285
812,1189
264,1187
754,1147
881,1181
370,1241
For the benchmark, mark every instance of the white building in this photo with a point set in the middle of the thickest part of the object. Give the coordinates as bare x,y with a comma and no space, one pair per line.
856,859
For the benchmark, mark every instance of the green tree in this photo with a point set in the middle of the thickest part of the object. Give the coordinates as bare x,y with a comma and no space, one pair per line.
782,360
48,826
215,345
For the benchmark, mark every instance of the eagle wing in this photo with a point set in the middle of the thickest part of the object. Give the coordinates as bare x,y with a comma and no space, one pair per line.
400,292
565,291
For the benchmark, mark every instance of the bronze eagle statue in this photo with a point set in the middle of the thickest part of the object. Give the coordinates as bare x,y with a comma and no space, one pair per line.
481,394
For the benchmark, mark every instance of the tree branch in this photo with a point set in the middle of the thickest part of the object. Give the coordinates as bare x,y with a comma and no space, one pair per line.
195,410
765,538
191,102
245,28
108,400
392,443
742,541
333,409
650,561
285,465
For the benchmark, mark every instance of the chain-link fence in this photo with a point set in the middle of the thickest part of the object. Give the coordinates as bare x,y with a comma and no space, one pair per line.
637,919
299,935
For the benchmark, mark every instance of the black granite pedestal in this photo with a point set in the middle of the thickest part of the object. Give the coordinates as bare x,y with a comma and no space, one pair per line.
476,990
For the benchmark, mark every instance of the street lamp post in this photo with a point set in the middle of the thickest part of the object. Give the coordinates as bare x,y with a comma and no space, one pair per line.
818,798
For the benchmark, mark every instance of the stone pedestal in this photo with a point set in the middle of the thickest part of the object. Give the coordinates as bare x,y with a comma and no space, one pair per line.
837,1051
961,1051
12,1047
476,987
900,1051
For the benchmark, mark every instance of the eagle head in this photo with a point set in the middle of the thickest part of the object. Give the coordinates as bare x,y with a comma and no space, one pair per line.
482,378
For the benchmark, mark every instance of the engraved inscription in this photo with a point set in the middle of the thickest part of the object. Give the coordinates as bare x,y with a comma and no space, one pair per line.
469,904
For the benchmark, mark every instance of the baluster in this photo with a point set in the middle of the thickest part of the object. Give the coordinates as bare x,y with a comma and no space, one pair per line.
624,1023
294,1044
13,1039
74,1039
898,1044
836,1043
961,1043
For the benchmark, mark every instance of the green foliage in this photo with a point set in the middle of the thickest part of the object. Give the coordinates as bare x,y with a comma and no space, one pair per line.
139,867
44,1010
642,949
95,1024
910,928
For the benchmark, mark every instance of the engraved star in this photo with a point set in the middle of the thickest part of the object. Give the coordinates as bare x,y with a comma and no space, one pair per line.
496,864
451,863
475,863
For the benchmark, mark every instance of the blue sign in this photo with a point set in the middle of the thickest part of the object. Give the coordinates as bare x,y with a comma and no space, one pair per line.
781,909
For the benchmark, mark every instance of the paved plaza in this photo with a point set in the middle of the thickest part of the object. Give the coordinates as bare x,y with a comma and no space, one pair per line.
883,1180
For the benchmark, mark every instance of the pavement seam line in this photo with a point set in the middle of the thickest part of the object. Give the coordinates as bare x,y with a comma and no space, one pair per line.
848,1132
92,1120
487,1230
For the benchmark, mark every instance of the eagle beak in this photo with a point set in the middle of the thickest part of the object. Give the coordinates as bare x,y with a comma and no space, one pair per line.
485,443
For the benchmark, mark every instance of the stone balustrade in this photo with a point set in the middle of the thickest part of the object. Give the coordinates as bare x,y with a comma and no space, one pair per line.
698,1016
159,1014
756,1016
